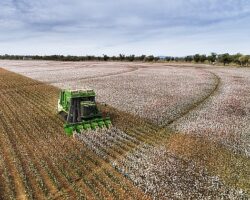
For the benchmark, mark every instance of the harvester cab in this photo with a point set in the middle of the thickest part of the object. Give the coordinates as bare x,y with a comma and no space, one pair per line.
79,110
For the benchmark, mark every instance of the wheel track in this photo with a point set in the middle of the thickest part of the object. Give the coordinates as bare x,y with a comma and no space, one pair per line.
37,82
130,69
201,101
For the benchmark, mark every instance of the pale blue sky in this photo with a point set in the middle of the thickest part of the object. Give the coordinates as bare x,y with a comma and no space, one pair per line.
96,27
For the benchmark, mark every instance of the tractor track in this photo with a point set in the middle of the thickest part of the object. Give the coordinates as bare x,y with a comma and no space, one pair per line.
131,69
67,68
200,102
54,70
37,82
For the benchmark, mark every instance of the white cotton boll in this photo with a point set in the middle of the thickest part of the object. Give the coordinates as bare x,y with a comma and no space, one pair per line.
223,117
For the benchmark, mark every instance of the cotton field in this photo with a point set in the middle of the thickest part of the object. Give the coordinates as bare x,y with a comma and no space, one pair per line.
179,131
225,116
166,176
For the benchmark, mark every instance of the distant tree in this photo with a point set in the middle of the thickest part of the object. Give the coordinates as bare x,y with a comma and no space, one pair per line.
167,58
197,58
212,58
203,58
157,58
105,57
225,58
244,60
189,58
149,58
176,59
131,58
121,57
89,58
142,57
236,58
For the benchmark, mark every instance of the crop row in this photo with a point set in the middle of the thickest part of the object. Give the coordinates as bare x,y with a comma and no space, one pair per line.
48,164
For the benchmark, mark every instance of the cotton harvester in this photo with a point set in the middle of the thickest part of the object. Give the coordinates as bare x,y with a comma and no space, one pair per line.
78,108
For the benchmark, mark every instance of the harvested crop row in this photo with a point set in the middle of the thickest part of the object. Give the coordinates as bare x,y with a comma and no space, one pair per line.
48,164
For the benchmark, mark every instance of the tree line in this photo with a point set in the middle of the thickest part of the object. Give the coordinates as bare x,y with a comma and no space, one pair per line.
121,57
226,58
213,58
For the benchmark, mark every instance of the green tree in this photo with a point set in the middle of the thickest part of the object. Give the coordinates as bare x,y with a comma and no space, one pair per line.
225,58
197,58
189,58
236,58
203,58
121,57
131,58
149,58
156,59
141,58
105,57
212,58
244,60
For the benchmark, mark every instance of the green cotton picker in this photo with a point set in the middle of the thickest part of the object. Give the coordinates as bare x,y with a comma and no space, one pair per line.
79,110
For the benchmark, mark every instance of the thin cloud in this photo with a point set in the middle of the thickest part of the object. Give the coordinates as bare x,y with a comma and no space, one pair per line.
97,26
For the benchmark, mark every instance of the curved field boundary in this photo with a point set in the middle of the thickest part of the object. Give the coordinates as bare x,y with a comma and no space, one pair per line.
62,69
131,69
199,102
55,70
36,82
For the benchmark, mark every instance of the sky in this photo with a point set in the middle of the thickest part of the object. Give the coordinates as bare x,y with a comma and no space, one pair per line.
97,27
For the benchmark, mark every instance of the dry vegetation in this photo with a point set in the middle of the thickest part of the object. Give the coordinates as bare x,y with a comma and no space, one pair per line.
151,104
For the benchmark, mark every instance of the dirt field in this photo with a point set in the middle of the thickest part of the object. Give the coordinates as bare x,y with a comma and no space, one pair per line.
180,132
